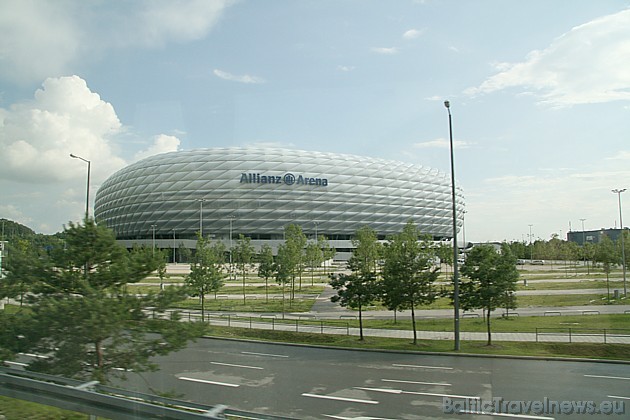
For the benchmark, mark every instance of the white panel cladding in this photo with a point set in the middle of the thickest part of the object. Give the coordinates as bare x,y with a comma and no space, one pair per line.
345,192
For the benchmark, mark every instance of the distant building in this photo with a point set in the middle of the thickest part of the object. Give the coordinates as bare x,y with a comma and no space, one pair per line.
593,236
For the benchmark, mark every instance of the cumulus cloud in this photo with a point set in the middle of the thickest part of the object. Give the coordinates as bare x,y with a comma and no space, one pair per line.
588,64
413,33
64,117
161,144
42,38
237,78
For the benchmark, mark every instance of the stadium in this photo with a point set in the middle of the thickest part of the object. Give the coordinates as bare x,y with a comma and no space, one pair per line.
164,200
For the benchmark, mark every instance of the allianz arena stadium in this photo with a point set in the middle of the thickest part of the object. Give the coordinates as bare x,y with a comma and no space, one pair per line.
225,192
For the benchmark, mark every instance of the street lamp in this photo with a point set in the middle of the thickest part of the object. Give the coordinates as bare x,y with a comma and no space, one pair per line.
87,194
623,250
584,244
153,243
231,267
174,262
447,104
201,200
531,248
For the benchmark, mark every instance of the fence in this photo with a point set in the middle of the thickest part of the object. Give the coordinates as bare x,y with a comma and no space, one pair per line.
271,322
598,335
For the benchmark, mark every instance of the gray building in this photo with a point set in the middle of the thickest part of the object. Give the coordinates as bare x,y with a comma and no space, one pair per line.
594,236
256,192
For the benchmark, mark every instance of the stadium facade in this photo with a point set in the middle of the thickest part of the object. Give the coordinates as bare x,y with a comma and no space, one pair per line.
166,199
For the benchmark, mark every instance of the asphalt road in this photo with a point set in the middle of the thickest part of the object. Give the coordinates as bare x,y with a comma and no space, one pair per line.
313,383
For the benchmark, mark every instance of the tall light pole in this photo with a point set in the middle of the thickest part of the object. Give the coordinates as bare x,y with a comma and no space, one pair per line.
447,104
153,243
201,200
174,262
531,248
583,243
623,250
87,193
231,267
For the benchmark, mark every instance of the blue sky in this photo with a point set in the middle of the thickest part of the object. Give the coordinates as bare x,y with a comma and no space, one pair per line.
539,92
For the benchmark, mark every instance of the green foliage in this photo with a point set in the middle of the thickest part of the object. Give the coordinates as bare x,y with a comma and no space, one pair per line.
491,282
408,275
366,253
266,266
206,270
243,255
81,315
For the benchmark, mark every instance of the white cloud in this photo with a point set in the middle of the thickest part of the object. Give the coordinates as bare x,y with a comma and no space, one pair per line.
442,144
42,39
413,33
235,78
345,68
385,50
161,144
588,64
64,117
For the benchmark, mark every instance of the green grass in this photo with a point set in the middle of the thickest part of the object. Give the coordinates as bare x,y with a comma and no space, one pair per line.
250,305
14,409
587,350
578,284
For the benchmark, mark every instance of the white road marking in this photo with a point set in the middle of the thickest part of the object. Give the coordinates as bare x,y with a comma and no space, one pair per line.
203,381
616,396
239,366
263,354
330,397
519,416
416,382
355,418
15,363
39,356
607,377
423,367
430,394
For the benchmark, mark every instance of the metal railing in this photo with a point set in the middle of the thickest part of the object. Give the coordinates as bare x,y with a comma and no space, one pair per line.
569,334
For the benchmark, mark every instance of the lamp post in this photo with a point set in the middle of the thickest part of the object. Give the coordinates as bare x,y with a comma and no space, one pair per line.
231,267
623,250
447,104
201,200
174,262
87,193
531,248
153,242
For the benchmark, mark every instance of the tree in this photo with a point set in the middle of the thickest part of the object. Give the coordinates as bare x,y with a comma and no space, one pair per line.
23,269
408,275
295,241
206,270
606,255
491,281
313,258
283,269
265,267
85,321
243,254
354,291
328,252
445,254
359,289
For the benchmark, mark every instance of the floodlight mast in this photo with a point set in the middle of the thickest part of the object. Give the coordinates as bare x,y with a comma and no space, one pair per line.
447,104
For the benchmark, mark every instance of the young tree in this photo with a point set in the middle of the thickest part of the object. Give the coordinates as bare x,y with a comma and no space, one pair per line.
266,267
283,269
408,275
313,258
354,291
295,241
491,281
206,270
24,269
243,254
606,255
85,320
328,252
359,289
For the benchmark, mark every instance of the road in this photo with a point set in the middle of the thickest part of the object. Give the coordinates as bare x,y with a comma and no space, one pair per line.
313,383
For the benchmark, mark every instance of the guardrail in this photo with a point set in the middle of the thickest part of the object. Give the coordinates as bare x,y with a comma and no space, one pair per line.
113,403
605,335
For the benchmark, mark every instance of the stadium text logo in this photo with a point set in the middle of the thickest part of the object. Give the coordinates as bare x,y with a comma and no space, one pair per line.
287,179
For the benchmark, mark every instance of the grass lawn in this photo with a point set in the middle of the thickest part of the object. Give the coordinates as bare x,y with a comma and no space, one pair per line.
250,305
13,409
587,350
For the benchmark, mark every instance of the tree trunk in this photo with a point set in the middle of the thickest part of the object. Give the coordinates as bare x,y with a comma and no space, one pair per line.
360,322
488,324
203,302
413,323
